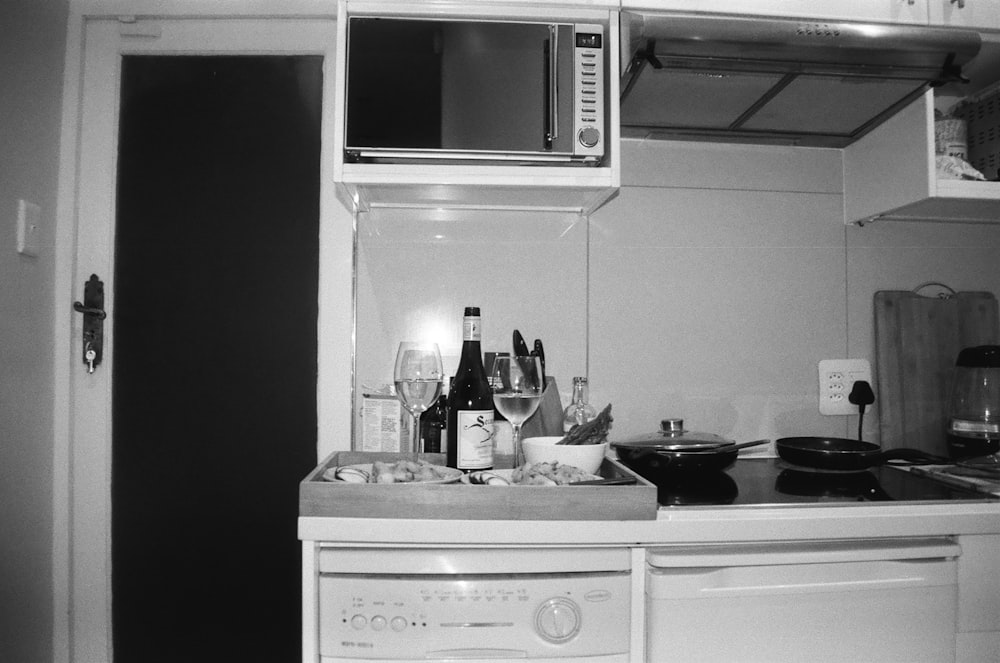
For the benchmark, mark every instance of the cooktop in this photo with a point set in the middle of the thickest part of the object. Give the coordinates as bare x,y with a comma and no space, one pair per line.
759,481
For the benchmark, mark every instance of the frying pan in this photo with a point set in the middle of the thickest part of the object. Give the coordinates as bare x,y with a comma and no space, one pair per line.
698,457
835,453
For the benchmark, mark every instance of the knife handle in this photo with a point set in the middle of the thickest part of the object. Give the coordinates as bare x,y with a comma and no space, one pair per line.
520,347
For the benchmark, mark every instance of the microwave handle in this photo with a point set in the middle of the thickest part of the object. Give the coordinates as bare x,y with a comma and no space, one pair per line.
552,85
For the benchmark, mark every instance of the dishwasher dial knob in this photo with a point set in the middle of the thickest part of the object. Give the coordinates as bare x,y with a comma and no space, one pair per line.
589,136
378,623
398,624
558,620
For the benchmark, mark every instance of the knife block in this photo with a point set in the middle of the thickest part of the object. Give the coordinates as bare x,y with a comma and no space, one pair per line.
547,419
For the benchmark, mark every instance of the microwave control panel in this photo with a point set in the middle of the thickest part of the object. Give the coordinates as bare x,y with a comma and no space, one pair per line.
444,617
588,102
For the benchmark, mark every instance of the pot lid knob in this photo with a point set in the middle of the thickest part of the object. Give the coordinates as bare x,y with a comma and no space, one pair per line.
671,426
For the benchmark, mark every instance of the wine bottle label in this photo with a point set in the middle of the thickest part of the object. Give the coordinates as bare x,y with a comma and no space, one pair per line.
472,329
475,439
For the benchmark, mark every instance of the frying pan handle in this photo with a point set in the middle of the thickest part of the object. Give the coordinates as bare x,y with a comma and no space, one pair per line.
913,457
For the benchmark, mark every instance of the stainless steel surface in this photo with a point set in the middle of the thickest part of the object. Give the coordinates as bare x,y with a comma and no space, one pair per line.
787,81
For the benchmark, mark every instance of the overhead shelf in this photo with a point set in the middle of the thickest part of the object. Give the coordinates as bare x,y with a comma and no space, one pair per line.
891,172
515,188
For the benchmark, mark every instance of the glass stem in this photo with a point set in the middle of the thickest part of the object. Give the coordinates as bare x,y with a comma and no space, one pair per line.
518,452
416,436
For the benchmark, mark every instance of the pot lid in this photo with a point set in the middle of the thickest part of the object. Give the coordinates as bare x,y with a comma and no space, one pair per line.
673,436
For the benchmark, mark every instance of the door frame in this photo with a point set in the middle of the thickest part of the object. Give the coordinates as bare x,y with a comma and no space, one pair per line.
99,33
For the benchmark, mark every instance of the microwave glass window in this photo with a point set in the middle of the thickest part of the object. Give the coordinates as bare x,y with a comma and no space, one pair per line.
455,85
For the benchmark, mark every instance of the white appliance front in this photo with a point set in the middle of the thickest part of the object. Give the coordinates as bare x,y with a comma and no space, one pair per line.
812,601
474,605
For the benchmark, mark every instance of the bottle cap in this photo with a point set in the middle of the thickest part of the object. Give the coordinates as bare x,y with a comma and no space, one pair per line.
471,310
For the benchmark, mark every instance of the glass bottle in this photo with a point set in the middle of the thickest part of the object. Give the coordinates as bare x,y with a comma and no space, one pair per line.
579,411
434,423
470,403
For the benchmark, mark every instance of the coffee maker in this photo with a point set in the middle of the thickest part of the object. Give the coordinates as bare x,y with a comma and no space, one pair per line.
973,423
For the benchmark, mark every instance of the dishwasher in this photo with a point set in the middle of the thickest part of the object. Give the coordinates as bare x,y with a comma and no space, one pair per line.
872,600
475,604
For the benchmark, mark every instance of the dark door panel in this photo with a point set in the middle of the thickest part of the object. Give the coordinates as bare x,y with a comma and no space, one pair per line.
214,384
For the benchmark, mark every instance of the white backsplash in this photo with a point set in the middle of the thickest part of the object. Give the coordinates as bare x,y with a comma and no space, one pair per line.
709,289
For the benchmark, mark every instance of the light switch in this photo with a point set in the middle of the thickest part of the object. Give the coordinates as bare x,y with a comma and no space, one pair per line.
29,218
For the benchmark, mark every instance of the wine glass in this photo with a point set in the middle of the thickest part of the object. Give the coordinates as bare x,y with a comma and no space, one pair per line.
517,388
418,375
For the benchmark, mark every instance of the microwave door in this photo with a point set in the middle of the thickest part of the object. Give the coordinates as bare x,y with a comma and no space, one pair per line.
500,88
460,89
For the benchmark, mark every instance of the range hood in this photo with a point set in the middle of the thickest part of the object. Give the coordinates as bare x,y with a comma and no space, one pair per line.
779,81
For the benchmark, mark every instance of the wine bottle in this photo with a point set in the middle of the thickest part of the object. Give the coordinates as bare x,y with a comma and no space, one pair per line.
579,411
434,423
470,403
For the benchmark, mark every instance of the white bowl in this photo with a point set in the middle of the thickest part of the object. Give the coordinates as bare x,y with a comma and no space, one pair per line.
587,457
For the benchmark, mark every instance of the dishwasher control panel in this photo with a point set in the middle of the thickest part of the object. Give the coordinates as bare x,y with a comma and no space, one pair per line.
493,616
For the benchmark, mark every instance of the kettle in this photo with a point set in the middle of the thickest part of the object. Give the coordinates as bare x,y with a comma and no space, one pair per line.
973,418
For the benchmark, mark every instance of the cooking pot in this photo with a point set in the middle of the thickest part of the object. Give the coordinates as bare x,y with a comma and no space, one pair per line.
645,455
834,453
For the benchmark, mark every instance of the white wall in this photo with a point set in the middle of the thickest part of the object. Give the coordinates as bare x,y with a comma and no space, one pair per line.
715,281
31,66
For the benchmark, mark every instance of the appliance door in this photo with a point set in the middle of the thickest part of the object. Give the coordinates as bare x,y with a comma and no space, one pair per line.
813,601
440,88
475,605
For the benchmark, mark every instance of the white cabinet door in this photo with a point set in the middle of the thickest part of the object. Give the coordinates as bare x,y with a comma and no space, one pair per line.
983,14
979,599
891,11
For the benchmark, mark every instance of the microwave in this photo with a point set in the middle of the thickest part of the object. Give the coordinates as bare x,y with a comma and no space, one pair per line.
440,90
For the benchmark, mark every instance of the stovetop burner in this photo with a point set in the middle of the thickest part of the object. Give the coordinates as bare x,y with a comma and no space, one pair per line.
760,481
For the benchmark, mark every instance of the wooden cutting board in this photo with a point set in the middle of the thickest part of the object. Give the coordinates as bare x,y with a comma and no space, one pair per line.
917,339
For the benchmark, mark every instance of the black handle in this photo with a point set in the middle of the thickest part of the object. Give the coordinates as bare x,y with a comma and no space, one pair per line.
94,314
520,347
912,457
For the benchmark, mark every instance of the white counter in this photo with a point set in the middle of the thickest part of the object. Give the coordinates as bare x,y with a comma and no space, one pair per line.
675,525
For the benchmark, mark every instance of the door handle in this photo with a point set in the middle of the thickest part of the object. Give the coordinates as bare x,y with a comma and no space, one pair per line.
94,314
553,132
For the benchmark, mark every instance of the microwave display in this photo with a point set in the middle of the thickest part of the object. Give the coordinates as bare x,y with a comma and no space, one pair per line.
474,90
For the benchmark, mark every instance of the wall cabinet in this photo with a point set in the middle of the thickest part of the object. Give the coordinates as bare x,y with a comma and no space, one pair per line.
981,14
890,174
892,11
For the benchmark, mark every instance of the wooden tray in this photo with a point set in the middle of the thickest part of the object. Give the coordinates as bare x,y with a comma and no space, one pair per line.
459,501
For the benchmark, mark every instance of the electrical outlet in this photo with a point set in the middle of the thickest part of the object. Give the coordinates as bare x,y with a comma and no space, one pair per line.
836,378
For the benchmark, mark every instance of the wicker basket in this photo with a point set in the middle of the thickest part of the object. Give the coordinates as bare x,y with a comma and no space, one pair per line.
982,114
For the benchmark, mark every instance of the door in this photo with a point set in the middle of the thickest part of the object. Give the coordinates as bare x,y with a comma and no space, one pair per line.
198,203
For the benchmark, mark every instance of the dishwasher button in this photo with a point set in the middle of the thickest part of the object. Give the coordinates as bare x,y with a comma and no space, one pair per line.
397,624
558,620
358,622
378,623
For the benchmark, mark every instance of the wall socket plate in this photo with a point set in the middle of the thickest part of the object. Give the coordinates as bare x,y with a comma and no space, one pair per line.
836,378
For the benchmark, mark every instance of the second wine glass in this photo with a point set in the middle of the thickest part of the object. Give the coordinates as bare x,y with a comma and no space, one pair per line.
517,390
418,375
